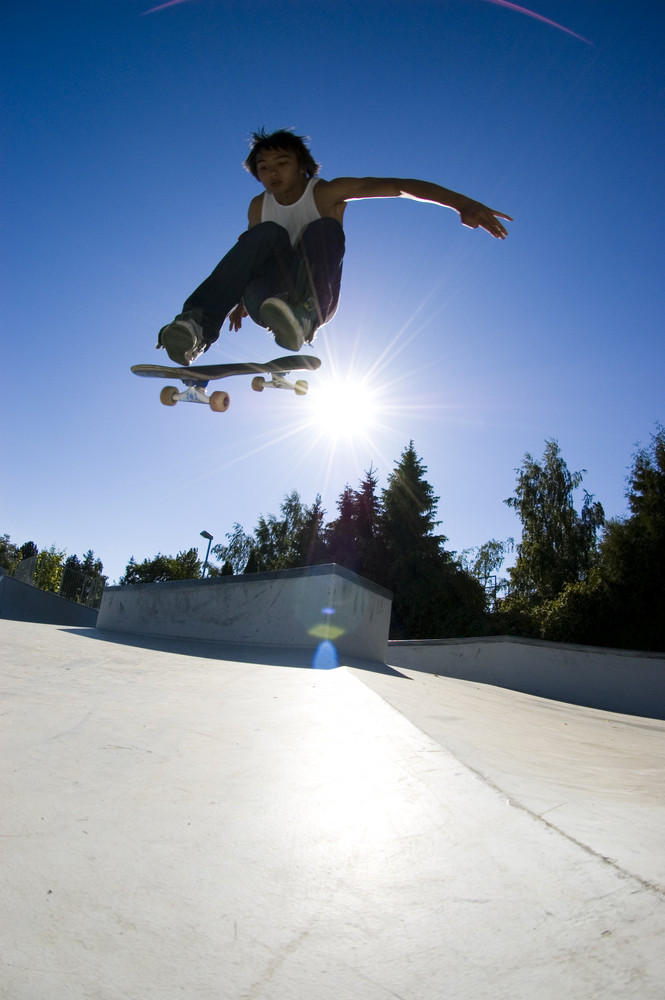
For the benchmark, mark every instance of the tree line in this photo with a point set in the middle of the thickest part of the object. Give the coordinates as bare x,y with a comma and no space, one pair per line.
52,565
567,584
577,577
387,536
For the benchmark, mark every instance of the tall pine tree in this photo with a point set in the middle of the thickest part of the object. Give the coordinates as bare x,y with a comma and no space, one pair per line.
353,539
432,596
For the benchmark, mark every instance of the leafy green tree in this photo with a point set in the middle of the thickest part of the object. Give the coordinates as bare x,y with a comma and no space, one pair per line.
185,566
484,563
237,552
9,554
558,545
92,567
516,615
285,541
83,581
25,568
276,539
620,601
89,566
582,612
48,572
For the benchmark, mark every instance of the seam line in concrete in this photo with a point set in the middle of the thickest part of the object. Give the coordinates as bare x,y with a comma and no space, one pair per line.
497,789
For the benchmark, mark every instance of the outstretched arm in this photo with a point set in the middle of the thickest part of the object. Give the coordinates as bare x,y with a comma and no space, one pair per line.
334,195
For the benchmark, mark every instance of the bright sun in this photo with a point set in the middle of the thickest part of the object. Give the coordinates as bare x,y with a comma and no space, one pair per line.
343,408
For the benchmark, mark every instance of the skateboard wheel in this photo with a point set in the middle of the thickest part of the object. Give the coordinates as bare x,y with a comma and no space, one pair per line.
219,401
301,387
258,383
168,394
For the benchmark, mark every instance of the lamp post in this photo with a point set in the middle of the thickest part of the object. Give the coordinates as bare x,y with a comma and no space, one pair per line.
206,534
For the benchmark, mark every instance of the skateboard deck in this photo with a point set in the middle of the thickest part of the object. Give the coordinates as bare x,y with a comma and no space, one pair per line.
196,378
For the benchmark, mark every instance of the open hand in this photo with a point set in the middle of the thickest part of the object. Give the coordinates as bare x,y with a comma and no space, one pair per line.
474,214
236,316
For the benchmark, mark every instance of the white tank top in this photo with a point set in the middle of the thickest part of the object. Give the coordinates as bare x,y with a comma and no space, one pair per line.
294,217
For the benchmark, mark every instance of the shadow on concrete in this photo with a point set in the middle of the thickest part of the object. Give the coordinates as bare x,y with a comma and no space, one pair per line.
23,602
264,654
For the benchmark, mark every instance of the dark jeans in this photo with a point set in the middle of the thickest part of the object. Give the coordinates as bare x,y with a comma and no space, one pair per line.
263,264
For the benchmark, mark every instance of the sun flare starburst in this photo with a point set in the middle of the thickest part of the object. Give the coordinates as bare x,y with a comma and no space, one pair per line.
343,407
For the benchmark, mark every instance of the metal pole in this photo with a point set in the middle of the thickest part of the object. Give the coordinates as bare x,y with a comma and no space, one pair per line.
206,534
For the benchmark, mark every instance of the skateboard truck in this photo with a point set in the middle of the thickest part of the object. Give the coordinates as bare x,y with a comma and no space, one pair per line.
278,380
195,392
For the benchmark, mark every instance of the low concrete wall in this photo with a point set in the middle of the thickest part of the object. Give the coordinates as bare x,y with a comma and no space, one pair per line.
299,607
24,603
611,679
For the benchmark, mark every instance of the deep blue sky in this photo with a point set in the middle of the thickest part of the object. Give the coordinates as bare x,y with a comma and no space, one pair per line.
123,136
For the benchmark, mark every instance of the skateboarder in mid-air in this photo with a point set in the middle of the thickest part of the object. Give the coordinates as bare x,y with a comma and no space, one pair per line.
285,270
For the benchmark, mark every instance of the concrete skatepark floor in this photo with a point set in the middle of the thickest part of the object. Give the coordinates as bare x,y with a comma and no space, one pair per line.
189,820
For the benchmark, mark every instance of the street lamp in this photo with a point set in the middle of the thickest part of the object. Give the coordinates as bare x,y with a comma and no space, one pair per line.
206,534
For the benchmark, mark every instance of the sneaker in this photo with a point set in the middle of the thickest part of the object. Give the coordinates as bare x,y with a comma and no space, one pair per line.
183,339
311,312
291,325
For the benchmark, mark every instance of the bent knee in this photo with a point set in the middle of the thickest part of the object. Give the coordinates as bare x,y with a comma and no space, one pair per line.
266,229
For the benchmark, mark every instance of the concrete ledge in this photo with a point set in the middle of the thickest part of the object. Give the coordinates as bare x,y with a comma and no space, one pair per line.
24,603
298,607
614,680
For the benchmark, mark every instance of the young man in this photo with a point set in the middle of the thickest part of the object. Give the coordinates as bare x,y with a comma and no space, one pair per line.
285,270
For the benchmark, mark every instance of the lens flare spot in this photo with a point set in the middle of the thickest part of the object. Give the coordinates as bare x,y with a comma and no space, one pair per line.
325,656
326,631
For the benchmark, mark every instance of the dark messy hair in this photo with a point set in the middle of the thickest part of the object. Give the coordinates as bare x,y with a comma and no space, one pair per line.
282,139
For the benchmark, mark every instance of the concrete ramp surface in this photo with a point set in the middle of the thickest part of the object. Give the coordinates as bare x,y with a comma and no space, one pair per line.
199,821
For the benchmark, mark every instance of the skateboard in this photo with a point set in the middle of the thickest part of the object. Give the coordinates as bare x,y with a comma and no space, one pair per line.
197,377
